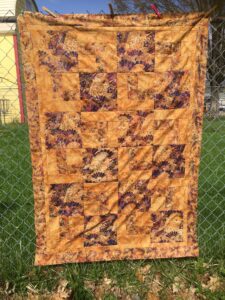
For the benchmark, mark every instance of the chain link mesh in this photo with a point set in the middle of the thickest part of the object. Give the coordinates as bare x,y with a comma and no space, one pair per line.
17,236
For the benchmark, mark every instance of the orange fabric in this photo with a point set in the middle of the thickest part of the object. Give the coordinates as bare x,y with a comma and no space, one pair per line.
115,112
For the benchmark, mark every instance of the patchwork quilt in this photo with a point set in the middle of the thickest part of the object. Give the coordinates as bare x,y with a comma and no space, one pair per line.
115,109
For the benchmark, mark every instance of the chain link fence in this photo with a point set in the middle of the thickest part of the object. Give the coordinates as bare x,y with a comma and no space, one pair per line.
17,236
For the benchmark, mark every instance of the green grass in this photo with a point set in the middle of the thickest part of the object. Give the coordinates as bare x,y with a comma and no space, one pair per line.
17,225
211,204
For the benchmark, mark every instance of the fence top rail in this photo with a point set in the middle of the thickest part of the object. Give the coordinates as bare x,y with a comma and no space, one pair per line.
8,19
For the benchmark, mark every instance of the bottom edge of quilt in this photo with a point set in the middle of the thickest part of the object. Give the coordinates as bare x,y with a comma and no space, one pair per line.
42,259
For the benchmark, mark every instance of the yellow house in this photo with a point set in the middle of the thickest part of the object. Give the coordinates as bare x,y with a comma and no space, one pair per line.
11,96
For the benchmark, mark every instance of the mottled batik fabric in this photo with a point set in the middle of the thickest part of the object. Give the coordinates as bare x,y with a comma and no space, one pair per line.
115,110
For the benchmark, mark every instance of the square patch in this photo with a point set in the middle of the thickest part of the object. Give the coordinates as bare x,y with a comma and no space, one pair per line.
97,51
66,199
64,165
134,159
134,193
62,130
98,91
168,159
100,230
167,226
138,223
100,198
169,198
65,86
132,129
100,164
173,92
174,51
136,51
135,91
174,131
94,134
61,53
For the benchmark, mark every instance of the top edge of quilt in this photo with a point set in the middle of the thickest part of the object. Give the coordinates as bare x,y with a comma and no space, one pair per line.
125,20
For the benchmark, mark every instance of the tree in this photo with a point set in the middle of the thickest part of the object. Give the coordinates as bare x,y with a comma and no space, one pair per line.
216,53
123,6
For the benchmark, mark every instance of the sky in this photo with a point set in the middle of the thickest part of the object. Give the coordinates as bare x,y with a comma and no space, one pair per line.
75,6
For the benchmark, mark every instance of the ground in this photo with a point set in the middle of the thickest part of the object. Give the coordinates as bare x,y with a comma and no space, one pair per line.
201,278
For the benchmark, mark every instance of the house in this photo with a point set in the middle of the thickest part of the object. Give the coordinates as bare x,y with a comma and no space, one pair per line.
11,94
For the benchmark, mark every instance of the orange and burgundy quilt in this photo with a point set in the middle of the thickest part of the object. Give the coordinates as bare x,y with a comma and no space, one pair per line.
115,109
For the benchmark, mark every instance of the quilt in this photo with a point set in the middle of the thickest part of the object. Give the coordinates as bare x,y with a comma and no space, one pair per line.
115,110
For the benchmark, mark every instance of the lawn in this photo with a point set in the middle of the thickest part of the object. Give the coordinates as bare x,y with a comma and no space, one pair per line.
110,280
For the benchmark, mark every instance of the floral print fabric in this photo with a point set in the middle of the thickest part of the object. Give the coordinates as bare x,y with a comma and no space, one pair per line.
115,110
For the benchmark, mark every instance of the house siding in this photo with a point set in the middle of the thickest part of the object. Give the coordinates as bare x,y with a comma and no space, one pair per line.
11,109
